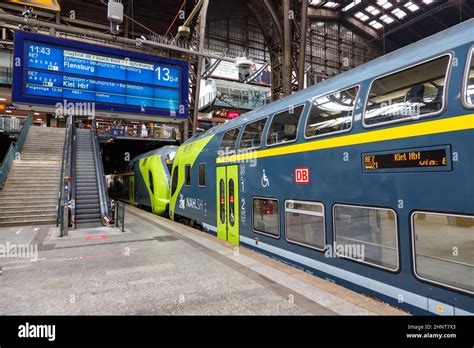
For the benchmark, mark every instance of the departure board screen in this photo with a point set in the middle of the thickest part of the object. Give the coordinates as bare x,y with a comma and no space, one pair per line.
408,159
49,69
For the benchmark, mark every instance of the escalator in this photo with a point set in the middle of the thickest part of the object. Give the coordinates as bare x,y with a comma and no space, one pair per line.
88,188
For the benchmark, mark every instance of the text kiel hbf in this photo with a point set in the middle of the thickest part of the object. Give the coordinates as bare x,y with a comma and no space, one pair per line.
411,156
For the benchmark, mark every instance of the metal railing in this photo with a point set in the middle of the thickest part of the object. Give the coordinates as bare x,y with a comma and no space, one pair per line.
63,216
248,99
105,207
163,133
15,147
120,215
24,133
6,76
10,124
207,100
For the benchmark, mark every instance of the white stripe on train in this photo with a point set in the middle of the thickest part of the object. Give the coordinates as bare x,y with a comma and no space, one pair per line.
413,299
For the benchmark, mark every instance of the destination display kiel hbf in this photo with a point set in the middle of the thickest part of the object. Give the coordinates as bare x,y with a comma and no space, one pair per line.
409,159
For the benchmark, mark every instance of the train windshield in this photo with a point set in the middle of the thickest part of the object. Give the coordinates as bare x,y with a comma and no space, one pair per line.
169,161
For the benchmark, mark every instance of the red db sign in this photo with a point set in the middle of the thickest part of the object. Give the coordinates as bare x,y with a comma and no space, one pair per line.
302,176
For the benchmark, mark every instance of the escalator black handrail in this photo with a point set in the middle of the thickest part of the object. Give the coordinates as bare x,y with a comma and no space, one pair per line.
65,165
59,212
71,170
99,170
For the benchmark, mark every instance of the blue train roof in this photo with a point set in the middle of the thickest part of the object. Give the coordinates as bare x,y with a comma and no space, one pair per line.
161,151
432,46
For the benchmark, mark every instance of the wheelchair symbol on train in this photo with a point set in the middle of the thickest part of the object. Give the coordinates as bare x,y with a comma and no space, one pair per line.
265,182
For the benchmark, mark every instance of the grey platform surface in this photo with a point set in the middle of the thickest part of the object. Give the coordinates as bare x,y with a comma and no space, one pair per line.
158,267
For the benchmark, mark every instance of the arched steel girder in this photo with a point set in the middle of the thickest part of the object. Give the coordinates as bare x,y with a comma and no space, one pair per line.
351,22
275,17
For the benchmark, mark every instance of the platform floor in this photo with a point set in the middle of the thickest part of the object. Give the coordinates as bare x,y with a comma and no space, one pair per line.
158,267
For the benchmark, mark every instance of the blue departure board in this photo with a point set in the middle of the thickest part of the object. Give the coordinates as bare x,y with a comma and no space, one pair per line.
50,70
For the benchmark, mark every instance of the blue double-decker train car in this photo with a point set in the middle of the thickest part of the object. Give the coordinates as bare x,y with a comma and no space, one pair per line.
365,179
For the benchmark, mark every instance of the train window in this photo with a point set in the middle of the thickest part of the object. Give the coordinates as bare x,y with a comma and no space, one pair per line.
443,249
284,126
366,234
227,147
266,216
174,180
469,91
252,135
413,92
331,113
150,180
304,222
202,174
231,203
222,200
187,175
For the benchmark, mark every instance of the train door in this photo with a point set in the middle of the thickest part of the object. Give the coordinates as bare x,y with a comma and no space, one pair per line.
228,203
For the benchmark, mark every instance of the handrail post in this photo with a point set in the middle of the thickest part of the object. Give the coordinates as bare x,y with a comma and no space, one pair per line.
123,217
65,208
120,215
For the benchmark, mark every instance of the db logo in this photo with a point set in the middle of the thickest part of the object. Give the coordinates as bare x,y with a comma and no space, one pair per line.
302,176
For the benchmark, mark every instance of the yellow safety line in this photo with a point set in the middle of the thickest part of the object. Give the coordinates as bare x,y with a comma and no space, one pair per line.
452,124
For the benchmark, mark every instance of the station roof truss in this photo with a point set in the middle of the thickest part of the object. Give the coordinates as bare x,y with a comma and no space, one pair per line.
400,21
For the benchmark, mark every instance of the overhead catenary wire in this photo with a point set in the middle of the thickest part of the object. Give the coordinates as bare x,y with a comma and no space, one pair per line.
176,17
